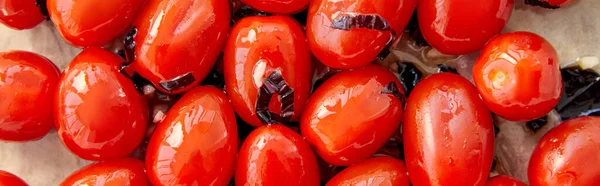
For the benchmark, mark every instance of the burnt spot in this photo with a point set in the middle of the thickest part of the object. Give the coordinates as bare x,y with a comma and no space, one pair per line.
537,124
275,84
581,93
129,45
446,68
409,76
541,3
41,4
392,88
178,83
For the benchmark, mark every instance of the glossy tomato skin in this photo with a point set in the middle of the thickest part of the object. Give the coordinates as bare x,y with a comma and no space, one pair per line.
174,38
348,118
358,47
99,114
462,26
375,171
125,171
564,155
257,48
27,86
518,76
20,14
278,6
202,150
447,133
274,155
504,181
9,179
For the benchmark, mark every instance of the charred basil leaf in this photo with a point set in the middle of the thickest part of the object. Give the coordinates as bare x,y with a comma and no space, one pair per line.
272,85
368,21
41,4
129,45
392,88
446,68
537,124
581,93
414,31
178,82
409,76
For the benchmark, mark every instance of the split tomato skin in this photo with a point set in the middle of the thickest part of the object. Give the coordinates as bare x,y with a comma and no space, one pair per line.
27,86
196,143
20,14
126,171
504,181
447,133
564,155
9,179
377,171
278,6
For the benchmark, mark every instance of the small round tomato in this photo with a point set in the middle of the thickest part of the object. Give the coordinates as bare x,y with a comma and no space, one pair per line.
462,26
175,43
278,6
99,114
126,171
265,52
351,33
20,14
375,171
27,84
504,181
566,155
353,114
274,155
9,179
518,76
448,133
196,143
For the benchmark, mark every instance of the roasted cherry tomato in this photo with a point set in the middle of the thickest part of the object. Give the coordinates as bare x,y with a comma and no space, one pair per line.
504,181
27,86
265,58
278,6
351,33
175,43
99,113
566,155
9,179
374,171
353,114
121,172
462,26
196,144
20,14
518,76
447,133
552,4
274,155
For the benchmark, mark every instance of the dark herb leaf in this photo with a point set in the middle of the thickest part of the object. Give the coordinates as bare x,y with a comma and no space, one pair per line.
446,68
392,88
537,124
409,76
129,45
581,93
41,4
178,82
540,3
275,84
369,21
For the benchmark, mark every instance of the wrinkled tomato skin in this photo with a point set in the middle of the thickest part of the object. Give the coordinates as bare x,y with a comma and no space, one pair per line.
9,179
462,26
447,133
196,143
357,47
348,118
20,14
377,171
99,114
278,6
257,47
92,23
177,37
566,155
126,171
274,155
27,86
518,76
504,181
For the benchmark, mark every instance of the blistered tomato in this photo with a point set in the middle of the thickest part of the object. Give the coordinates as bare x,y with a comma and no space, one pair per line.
447,133
99,113
278,6
27,86
353,114
504,181
518,76
20,14
267,69
374,171
462,26
126,171
196,143
9,179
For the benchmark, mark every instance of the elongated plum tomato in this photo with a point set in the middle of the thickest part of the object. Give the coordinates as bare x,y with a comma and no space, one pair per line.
20,14
126,171
564,155
278,6
93,23
27,85
351,33
504,181
518,76
261,53
462,26
9,179
447,133
99,113
274,155
353,114
196,144
375,171
175,43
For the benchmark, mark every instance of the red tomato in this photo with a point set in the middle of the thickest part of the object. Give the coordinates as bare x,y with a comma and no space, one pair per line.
353,114
504,181
9,179
20,14
177,42
374,171
27,84
274,155
356,47
278,6
121,172
462,26
196,144
447,133
518,76
99,113
258,48
566,155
